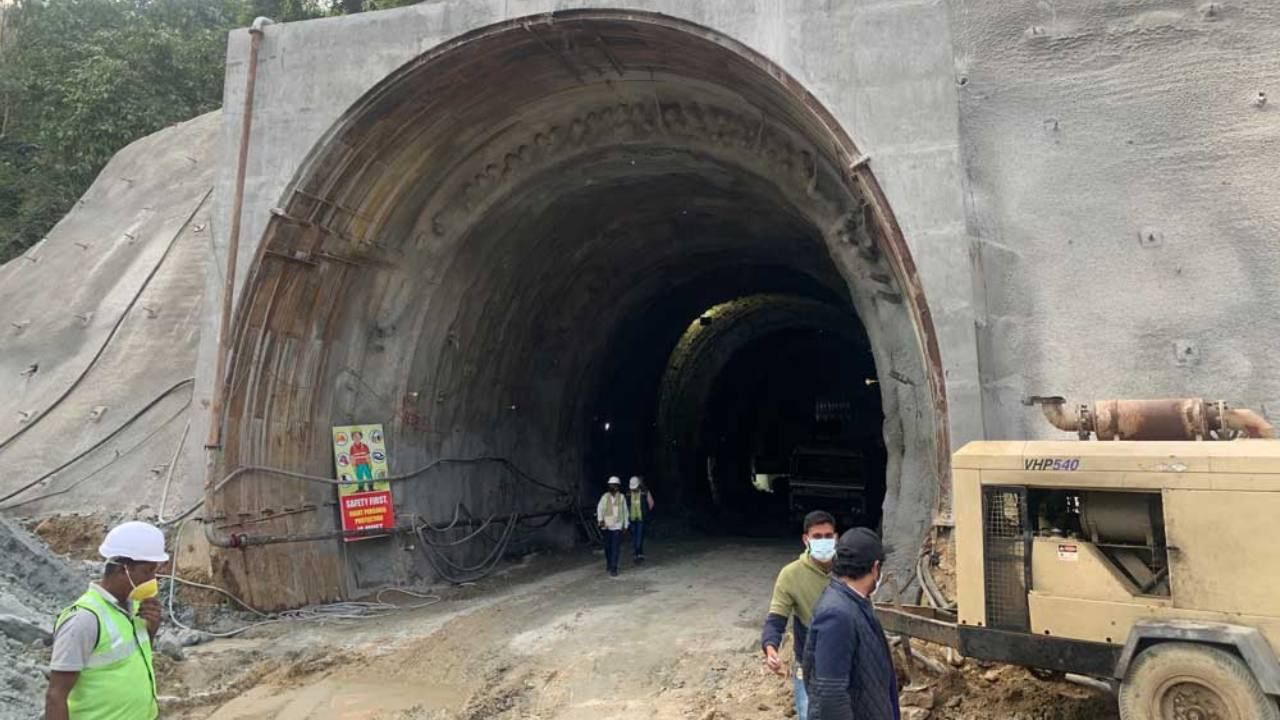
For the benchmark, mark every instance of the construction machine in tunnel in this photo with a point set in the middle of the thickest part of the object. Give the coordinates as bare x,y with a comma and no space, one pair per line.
1143,562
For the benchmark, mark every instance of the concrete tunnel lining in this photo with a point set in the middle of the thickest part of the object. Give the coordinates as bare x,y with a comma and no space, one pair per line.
454,259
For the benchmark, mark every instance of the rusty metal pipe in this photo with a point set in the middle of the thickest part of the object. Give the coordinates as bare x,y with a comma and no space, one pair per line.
233,239
1162,419
1055,411
1248,422
1168,419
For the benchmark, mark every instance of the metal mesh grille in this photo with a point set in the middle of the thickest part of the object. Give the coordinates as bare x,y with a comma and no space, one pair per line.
1005,559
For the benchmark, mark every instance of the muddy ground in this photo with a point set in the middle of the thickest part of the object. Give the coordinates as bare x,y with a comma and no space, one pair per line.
556,638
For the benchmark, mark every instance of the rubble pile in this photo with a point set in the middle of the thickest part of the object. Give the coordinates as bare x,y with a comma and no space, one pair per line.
34,585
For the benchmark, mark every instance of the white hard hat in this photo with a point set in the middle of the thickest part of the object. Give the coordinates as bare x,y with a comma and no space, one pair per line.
635,482
134,540
615,480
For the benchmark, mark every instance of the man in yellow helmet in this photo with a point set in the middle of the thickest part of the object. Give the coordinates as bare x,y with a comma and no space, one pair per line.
101,667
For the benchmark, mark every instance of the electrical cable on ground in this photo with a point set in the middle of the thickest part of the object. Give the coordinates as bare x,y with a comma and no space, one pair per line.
434,464
111,334
93,473
82,454
351,610
168,475
454,543
930,590
457,517
470,574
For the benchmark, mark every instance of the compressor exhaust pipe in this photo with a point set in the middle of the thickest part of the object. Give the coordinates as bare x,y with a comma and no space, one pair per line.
1167,419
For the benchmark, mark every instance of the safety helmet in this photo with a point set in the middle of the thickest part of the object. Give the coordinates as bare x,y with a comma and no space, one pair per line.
615,480
135,540
635,482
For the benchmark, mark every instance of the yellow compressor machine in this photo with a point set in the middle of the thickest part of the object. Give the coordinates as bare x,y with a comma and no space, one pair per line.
1149,557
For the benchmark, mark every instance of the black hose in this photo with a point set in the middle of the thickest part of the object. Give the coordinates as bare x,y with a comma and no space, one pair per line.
528,526
104,466
474,573
497,549
470,536
110,334
457,517
81,455
245,469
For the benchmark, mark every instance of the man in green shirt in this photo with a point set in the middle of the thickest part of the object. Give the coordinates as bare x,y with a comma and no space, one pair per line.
795,593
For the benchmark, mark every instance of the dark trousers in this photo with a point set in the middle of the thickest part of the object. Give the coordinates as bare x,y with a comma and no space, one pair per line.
637,537
612,549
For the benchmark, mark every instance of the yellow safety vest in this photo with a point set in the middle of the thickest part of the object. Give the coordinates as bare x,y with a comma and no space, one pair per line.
118,681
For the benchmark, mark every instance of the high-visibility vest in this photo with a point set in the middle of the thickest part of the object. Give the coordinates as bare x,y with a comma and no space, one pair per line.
118,681
639,505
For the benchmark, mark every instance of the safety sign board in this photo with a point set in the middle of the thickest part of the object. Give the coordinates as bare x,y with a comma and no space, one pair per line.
1069,553
364,494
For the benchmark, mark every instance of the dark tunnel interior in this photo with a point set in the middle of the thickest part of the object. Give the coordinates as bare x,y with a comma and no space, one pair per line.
790,422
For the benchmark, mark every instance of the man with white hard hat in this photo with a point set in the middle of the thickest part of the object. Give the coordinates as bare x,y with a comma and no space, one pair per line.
614,517
101,667
641,504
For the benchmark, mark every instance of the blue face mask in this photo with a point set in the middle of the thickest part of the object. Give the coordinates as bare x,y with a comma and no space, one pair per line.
822,549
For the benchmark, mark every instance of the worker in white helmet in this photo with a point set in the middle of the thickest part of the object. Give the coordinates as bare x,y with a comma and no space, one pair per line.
641,503
614,517
101,667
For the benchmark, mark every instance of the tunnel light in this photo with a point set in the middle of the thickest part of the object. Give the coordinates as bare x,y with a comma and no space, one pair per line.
607,425
872,381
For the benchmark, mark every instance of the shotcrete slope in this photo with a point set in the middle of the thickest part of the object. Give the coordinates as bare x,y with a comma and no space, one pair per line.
98,336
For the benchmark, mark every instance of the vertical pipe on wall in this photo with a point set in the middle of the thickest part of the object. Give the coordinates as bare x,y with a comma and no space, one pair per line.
233,240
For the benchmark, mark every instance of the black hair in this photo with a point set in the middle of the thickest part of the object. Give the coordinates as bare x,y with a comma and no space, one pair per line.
850,568
818,517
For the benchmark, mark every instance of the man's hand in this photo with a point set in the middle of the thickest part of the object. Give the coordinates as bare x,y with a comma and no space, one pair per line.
774,662
149,610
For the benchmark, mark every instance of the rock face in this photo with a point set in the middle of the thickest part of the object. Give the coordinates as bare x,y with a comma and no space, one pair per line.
24,630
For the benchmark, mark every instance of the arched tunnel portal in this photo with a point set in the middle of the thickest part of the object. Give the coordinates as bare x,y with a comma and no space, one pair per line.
504,246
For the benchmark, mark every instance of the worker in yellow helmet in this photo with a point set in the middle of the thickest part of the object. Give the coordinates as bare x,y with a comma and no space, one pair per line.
101,667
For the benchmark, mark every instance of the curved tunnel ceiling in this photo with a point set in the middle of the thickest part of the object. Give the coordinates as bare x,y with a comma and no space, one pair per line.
458,257
709,344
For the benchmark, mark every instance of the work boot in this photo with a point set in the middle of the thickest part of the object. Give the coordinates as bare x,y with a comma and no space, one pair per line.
613,574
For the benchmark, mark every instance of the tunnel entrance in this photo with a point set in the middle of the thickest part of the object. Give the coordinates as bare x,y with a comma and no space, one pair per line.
762,408
631,222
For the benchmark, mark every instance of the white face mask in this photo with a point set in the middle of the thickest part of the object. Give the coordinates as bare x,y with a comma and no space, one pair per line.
822,549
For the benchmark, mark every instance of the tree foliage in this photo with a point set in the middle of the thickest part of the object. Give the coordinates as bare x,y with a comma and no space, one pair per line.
80,79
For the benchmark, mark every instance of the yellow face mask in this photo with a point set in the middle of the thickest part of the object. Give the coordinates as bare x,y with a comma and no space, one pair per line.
145,591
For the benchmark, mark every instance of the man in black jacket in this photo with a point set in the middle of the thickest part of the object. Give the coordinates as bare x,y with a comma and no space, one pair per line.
848,669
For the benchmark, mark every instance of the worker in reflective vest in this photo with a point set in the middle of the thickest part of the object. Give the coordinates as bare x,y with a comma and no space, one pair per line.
641,506
614,516
102,667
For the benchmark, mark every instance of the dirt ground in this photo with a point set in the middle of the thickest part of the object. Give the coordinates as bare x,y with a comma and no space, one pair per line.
73,536
557,639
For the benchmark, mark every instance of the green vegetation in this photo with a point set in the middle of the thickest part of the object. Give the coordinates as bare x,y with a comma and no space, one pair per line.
80,79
